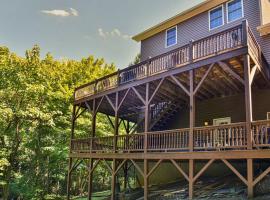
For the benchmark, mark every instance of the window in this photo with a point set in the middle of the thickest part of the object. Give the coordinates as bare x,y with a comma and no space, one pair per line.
216,17
268,116
171,37
221,121
234,10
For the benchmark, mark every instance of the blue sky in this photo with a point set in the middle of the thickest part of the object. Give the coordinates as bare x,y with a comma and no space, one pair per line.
77,28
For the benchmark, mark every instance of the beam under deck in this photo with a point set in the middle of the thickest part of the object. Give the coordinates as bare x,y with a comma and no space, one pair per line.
202,155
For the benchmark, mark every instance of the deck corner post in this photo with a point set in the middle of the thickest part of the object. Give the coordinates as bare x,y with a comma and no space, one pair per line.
250,178
248,101
245,32
192,110
190,176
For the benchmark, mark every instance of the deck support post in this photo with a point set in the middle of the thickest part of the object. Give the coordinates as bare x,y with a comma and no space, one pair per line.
90,178
190,175
116,130
73,119
91,161
69,178
248,100
145,178
113,195
146,127
250,177
146,115
192,109
116,123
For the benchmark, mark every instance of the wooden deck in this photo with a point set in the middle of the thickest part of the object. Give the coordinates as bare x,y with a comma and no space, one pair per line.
224,64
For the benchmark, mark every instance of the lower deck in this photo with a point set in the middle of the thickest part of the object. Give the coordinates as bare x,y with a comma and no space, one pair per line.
230,137
162,157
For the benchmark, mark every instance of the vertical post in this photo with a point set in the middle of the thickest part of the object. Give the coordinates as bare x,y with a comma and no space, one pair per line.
93,134
148,67
116,122
146,127
145,177
90,178
250,177
126,163
93,127
116,132
191,51
245,32
191,173
73,119
113,179
192,109
146,117
125,175
118,78
69,178
248,100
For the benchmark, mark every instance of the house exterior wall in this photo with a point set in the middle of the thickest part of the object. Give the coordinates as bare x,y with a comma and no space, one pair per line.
233,107
198,27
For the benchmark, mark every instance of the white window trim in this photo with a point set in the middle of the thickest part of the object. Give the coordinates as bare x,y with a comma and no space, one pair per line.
227,11
209,17
166,46
268,116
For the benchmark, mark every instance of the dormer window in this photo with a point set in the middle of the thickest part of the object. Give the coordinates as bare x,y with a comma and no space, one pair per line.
171,37
234,10
216,18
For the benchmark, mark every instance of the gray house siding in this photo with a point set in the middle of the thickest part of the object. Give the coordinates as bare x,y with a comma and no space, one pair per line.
198,27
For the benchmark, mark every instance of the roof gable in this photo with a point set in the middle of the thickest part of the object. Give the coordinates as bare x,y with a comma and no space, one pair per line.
200,8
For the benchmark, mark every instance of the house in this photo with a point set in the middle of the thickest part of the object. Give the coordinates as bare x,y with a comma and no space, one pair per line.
201,94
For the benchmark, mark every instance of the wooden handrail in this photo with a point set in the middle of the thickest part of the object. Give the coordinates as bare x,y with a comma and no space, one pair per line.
202,48
230,136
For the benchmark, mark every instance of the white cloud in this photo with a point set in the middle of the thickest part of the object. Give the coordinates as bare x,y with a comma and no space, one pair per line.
62,13
74,12
114,33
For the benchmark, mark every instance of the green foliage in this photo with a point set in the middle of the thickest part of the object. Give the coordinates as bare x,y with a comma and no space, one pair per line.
136,60
35,111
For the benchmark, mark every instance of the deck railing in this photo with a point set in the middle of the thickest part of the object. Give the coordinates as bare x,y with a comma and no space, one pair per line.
196,50
261,133
210,138
221,137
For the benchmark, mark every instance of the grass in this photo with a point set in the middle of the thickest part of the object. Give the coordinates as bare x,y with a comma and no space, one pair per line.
96,196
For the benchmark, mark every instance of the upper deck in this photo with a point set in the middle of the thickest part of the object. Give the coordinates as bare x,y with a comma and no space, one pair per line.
235,41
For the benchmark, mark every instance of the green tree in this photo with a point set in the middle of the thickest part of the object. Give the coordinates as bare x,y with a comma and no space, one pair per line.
35,111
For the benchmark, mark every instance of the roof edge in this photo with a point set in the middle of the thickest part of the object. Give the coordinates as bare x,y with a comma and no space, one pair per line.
183,16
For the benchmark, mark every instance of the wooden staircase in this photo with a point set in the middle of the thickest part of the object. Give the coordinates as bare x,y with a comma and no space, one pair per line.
162,113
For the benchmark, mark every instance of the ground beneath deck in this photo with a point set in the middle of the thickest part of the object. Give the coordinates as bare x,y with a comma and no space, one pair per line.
228,187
